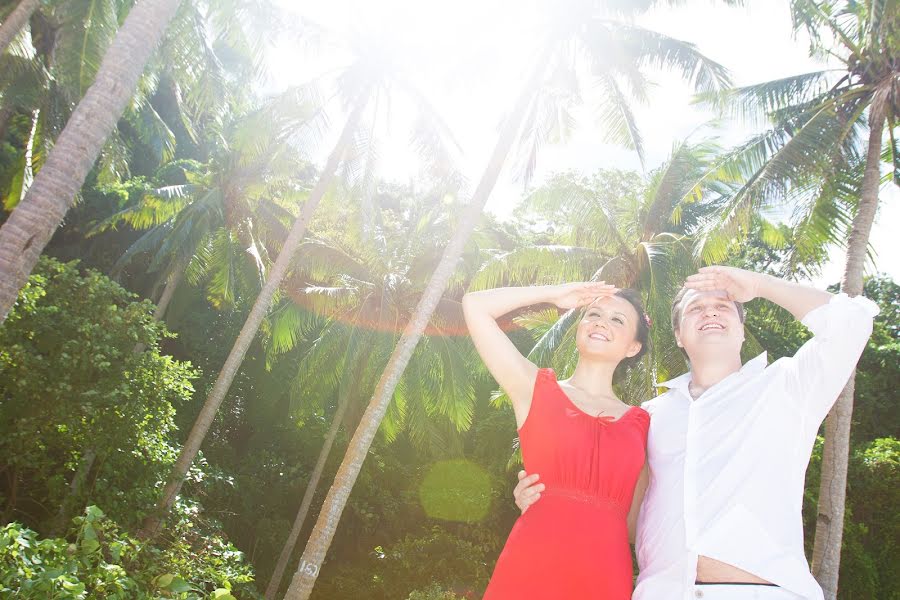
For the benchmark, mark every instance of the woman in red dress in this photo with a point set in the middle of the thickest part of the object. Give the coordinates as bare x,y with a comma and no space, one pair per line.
588,446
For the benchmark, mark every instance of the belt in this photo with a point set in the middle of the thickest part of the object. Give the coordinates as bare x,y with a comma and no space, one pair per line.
588,498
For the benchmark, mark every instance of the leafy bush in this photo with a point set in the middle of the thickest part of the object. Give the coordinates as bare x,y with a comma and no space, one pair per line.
435,592
102,562
84,417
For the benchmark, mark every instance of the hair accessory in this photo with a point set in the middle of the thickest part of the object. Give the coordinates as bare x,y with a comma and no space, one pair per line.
647,320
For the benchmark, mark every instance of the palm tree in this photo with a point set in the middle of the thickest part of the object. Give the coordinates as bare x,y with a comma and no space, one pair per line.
15,21
535,116
67,42
617,227
95,58
221,225
32,223
822,156
364,87
367,290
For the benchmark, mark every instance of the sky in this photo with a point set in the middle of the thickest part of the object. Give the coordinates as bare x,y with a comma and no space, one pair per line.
754,42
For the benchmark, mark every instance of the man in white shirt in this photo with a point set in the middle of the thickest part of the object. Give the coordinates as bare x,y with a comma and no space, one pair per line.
729,444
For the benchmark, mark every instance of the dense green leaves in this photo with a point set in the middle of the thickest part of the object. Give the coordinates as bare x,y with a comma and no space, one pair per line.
83,414
103,562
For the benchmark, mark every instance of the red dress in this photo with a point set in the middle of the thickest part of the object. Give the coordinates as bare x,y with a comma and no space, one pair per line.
573,542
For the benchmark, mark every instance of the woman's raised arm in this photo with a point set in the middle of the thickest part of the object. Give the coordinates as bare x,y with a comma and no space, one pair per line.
514,372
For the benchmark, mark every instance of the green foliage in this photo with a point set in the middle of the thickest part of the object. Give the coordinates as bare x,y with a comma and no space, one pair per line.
455,560
874,484
350,298
871,521
461,562
434,592
102,562
84,415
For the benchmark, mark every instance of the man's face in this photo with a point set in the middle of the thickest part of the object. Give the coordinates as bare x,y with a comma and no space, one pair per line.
709,322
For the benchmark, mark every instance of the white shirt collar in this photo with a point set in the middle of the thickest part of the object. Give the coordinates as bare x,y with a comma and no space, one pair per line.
751,367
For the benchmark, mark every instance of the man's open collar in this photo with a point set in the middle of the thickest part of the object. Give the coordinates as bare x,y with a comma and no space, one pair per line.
681,383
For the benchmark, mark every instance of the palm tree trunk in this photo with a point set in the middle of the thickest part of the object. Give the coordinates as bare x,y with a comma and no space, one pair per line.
311,487
323,532
28,168
826,559
32,223
159,312
6,113
172,282
16,20
277,273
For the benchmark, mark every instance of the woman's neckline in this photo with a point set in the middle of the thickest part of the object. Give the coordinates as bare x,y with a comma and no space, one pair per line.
606,419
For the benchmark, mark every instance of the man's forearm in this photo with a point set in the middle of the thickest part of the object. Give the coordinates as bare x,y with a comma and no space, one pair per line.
796,298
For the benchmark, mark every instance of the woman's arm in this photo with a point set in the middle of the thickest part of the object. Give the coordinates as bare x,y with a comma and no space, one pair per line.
639,489
514,372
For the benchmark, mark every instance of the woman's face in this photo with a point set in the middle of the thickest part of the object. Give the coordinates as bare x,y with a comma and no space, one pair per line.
608,330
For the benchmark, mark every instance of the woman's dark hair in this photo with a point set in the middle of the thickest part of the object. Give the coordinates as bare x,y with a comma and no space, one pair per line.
642,334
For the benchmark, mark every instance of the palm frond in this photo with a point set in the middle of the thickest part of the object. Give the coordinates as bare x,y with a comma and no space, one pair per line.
755,103
320,261
148,242
782,163
816,16
616,119
321,365
826,217
536,265
328,299
88,29
286,327
554,330
22,81
891,152
653,49
155,208
673,188
432,139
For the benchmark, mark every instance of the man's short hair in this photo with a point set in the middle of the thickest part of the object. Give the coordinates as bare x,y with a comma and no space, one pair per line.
676,309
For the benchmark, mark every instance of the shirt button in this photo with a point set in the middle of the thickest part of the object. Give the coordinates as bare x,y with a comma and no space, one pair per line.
698,593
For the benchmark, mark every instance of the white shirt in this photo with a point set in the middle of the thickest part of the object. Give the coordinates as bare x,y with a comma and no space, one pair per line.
727,469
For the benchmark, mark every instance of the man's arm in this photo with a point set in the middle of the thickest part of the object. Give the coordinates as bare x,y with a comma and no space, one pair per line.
840,325
528,490
636,501
743,286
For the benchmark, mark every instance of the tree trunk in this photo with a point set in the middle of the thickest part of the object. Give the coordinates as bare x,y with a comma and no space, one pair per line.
171,285
6,113
16,20
32,223
311,487
81,476
13,495
317,546
159,312
28,168
826,559
276,274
